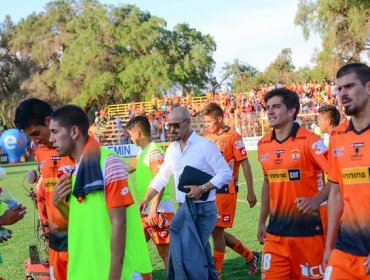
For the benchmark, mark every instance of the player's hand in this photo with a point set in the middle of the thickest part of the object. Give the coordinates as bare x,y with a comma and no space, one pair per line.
13,215
62,190
325,258
367,264
261,234
152,218
195,192
252,199
143,205
306,205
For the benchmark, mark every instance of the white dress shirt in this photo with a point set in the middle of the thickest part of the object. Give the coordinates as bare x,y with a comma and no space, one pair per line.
199,153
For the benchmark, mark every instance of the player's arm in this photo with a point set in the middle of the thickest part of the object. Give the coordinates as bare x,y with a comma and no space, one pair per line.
132,166
265,210
158,182
156,161
117,217
61,191
247,171
308,205
335,208
318,153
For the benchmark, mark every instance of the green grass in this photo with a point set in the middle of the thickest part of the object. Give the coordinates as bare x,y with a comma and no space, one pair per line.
15,251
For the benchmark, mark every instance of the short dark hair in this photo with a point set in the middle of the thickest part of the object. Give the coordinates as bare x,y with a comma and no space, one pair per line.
290,98
333,113
72,115
32,111
142,122
212,109
361,70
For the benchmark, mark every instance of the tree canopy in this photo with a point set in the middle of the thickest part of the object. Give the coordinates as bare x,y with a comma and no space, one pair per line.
83,52
344,26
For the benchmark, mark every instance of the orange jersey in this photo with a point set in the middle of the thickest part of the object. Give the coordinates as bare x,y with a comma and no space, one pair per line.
294,168
231,145
50,163
349,166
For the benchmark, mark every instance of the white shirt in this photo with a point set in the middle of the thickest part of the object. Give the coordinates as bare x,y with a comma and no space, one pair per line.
199,153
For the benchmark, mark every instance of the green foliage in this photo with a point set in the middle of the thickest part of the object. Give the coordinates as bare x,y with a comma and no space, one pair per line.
83,52
344,26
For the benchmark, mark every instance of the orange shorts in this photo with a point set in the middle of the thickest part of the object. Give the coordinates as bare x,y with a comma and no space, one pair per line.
344,265
58,264
324,218
226,207
286,258
161,233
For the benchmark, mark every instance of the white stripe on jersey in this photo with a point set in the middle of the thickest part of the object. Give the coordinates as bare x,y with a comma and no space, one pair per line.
155,155
115,169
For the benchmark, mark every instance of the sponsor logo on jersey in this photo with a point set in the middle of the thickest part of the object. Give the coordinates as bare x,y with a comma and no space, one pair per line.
264,157
312,272
278,158
42,164
338,152
50,183
239,144
226,218
319,147
357,155
125,191
55,158
284,175
358,175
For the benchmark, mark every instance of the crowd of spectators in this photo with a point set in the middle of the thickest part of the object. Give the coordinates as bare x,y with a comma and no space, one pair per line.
244,111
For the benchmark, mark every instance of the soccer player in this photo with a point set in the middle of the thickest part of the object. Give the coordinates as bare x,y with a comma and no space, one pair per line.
156,218
348,238
33,117
231,145
293,160
329,118
105,238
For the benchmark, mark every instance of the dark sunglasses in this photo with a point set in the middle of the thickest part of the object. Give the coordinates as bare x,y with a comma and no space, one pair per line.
176,125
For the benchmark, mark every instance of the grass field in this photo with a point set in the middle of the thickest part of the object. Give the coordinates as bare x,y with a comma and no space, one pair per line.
15,251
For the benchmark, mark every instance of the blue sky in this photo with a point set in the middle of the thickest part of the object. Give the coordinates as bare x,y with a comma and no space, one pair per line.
254,31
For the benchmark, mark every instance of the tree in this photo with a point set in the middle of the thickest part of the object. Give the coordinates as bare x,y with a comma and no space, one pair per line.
91,54
235,76
281,70
344,26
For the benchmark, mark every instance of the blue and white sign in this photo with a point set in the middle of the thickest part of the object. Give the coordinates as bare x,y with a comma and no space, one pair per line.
13,142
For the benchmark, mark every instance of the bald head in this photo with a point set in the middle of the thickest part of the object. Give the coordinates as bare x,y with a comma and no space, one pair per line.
178,114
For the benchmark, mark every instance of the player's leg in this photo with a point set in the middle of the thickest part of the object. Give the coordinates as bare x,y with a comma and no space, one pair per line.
306,256
276,264
343,265
251,258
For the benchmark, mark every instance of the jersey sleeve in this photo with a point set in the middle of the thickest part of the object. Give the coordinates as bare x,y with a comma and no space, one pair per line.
239,150
333,171
156,159
318,151
117,193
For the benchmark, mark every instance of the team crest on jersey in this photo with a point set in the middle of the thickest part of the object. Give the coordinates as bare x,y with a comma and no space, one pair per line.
338,152
239,144
264,157
296,154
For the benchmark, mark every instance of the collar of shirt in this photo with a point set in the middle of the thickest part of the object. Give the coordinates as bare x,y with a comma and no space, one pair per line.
293,132
351,127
